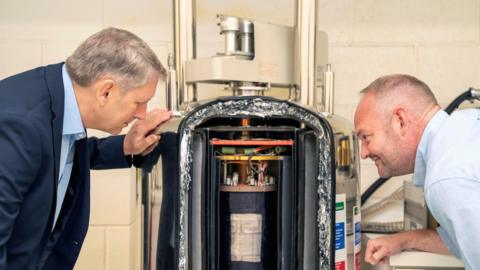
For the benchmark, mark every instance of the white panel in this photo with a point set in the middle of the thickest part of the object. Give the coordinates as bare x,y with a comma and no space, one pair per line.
246,235
273,11
18,56
335,18
449,70
210,91
415,20
58,51
356,67
113,195
92,256
149,19
207,29
50,19
120,254
368,174
162,50
344,110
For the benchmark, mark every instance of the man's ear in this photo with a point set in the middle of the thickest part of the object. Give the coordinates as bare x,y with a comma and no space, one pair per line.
104,90
400,120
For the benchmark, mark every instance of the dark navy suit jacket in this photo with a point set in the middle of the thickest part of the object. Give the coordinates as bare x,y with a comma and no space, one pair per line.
31,118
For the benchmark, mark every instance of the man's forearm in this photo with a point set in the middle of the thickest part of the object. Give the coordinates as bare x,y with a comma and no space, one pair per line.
425,240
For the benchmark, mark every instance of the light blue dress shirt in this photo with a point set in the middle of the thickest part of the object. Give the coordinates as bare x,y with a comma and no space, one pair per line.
447,165
73,130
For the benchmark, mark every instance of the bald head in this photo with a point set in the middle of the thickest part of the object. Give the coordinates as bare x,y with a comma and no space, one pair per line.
403,90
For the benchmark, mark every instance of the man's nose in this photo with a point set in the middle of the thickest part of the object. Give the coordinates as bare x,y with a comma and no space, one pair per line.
141,112
364,151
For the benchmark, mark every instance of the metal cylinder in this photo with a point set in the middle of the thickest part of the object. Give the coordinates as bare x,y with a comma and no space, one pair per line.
229,27
246,30
475,93
230,42
171,85
328,99
185,46
305,36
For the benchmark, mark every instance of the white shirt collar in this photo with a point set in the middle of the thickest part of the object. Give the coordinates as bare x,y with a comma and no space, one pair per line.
433,125
72,121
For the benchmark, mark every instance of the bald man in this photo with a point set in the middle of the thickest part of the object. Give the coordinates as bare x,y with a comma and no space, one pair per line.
403,130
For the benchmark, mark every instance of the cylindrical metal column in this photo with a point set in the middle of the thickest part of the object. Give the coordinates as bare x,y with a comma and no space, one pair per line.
247,46
229,27
171,86
305,36
328,92
185,46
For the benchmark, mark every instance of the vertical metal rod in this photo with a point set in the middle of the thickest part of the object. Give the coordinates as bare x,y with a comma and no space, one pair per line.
147,218
184,21
230,42
171,86
329,80
305,37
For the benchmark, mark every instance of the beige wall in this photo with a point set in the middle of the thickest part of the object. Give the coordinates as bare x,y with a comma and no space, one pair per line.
436,40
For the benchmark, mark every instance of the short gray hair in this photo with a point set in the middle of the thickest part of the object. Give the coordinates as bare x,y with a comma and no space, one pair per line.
115,52
391,88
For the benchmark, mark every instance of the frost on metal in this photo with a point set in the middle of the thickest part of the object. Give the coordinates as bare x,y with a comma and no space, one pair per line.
260,107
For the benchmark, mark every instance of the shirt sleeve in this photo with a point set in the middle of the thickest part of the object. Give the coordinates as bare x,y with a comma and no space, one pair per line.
107,153
448,242
455,203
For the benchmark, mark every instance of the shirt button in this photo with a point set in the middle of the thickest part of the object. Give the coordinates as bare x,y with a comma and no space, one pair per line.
75,243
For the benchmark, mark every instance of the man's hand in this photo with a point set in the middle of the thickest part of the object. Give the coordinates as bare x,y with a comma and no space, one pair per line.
139,139
379,249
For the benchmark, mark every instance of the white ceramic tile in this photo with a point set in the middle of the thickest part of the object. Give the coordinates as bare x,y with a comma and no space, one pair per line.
92,256
18,56
416,20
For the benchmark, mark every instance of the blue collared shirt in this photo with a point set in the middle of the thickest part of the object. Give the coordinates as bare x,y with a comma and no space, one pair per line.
73,130
447,165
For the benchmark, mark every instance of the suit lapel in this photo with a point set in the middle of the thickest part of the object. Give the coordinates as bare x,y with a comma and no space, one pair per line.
54,79
57,98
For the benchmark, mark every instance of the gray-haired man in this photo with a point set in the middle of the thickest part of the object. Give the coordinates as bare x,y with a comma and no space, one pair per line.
46,157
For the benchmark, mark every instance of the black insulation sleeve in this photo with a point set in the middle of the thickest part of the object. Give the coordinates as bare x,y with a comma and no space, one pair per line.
467,95
372,188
